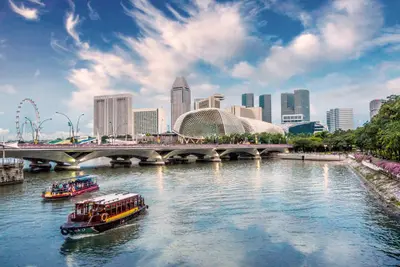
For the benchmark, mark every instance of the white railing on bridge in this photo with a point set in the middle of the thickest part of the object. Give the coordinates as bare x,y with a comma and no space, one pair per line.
11,162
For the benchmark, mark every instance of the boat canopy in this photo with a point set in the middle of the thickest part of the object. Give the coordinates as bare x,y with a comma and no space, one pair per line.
106,199
83,178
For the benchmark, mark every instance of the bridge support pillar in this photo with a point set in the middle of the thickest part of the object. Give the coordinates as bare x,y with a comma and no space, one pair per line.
40,165
152,162
66,167
116,161
213,158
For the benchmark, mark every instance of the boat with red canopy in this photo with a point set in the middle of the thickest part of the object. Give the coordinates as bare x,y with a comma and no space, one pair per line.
103,213
76,186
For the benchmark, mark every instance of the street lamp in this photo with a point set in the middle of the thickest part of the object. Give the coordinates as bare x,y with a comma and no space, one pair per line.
32,128
70,124
77,124
37,130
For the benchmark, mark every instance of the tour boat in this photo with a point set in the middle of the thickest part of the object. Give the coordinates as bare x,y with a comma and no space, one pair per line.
76,186
103,213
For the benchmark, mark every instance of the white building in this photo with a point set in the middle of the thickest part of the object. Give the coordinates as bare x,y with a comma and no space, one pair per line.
149,120
213,101
375,106
292,118
254,113
340,118
112,115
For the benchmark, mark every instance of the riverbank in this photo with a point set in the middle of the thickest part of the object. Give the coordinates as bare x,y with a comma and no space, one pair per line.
385,187
311,156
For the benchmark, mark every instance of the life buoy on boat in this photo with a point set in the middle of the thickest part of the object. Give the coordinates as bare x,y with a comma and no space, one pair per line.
64,231
104,217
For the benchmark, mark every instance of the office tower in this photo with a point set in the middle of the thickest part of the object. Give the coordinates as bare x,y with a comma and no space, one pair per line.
287,104
213,101
302,103
265,104
340,118
112,115
180,99
251,113
149,121
248,100
374,106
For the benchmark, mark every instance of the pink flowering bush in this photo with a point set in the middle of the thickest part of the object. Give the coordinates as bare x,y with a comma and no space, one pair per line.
389,166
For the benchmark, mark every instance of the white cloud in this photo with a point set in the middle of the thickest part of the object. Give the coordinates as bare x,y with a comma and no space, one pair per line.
342,28
93,15
27,13
37,2
1,112
37,73
167,48
71,22
394,85
4,131
7,89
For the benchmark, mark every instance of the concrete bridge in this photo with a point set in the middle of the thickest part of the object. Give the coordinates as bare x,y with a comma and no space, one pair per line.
70,156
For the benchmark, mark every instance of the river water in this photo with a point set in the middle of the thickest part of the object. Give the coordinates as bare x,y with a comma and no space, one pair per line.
244,213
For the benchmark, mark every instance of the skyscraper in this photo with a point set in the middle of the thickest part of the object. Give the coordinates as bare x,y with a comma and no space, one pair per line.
149,120
112,115
251,113
302,103
180,99
265,104
375,106
248,100
340,118
287,104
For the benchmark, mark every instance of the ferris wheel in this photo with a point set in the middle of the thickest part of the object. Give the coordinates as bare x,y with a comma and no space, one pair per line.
19,123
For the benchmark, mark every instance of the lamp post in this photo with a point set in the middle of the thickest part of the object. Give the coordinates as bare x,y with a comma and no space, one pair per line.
37,130
77,124
32,128
70,124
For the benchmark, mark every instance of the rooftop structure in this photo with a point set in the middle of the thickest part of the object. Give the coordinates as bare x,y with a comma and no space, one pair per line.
213,101
108,198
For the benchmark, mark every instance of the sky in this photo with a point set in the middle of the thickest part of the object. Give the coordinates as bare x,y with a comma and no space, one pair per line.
61,53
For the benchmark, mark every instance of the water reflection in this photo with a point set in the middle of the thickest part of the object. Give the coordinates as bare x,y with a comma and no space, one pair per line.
160,178
326,176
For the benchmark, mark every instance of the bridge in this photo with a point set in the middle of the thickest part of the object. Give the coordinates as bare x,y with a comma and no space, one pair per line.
70,156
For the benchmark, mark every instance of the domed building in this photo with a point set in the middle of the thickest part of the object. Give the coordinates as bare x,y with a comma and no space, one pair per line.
212,121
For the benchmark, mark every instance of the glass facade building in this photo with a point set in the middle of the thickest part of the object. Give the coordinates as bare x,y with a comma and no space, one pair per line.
265,103
248,100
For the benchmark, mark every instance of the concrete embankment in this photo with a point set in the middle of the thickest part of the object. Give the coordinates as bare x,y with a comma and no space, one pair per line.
385,187
311,156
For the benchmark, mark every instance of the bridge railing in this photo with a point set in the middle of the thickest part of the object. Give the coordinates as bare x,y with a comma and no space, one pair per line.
11,162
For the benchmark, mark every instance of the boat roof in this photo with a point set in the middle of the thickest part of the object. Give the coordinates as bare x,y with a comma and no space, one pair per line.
110,198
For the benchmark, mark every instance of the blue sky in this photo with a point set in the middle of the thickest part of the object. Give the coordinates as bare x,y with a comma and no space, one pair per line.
62,53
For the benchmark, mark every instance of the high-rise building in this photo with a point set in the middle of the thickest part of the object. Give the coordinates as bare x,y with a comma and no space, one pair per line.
340,118
375,106
265,104
248,100
287,104
112,115
302,103
149,121
180,99
251,113
213,101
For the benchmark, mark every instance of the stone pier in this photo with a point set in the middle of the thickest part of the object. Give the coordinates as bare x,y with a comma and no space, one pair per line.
125,162
11,171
